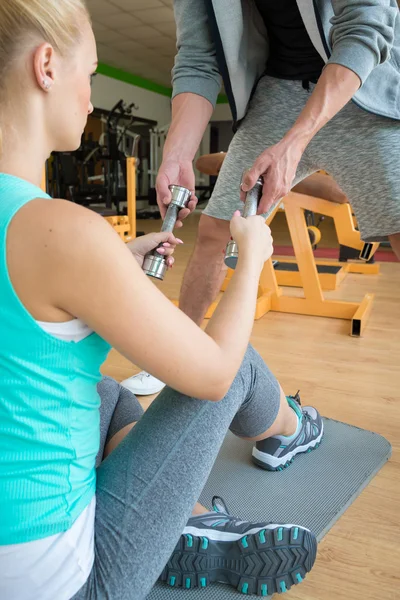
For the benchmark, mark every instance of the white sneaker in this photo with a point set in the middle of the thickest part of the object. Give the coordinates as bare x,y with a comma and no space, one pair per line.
143,384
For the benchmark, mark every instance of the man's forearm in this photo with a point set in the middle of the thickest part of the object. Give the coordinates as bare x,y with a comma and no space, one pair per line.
335,88
191,114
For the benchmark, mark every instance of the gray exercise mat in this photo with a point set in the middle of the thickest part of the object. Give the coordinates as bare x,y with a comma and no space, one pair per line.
313,492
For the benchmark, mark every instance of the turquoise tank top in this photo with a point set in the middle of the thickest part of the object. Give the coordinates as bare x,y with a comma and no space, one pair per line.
49,408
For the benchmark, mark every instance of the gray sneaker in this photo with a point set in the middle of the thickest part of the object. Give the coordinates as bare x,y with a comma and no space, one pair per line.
276,453
255,558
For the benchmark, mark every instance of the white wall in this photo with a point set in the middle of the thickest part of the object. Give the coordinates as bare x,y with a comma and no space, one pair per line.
106,92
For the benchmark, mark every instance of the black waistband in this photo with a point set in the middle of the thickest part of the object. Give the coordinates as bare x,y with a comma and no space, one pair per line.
306,83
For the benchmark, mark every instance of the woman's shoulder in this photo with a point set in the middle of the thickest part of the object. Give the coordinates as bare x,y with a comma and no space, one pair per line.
56,229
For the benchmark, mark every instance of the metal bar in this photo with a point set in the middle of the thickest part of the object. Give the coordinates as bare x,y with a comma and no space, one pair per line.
131,194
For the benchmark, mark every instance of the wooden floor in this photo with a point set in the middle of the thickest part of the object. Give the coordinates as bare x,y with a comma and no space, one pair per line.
349,379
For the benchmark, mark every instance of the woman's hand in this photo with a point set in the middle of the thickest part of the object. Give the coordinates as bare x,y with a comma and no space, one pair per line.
146,243
277,165
253,236
175,172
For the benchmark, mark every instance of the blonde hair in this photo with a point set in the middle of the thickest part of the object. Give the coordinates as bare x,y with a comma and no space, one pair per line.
54,21
57,22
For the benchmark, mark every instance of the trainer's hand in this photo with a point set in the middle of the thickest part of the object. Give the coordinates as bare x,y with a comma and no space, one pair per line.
175,173
252,234
146,243
277,165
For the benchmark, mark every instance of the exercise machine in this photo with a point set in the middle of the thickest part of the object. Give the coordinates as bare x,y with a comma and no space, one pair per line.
271,296
124,225
331,273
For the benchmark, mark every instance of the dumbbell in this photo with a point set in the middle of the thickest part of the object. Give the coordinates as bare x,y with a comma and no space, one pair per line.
253,198
155,265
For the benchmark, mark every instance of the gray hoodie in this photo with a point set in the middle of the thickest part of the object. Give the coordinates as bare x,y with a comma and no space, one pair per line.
228,38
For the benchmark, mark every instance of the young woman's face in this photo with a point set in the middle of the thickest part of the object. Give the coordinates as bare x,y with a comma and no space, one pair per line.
71,93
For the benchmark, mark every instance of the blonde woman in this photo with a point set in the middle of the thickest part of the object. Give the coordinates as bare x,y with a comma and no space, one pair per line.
70,289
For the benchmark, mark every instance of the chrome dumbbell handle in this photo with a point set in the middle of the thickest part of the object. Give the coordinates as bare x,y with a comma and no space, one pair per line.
253,197
154,264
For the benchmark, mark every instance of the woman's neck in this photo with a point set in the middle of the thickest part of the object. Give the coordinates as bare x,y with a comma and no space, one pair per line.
23,152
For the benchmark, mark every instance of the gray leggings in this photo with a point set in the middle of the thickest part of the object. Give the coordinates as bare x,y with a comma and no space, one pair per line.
147,487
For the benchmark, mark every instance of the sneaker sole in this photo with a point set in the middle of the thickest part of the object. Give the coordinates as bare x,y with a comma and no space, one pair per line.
260,461
270,561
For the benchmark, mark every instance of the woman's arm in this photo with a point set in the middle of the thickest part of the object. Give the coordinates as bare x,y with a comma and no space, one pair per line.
65,258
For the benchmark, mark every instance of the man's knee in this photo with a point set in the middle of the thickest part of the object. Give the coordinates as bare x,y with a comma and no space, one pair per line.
213,234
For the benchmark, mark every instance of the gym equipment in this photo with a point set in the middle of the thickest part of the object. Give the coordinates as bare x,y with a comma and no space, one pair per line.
250,209
210,164
95,175
331,273
124,225
314,235
270,295
326,481
155,264
70,179
305,272
115,153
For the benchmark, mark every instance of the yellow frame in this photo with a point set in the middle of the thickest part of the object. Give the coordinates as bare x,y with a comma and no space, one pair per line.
125,225
270,295
328,281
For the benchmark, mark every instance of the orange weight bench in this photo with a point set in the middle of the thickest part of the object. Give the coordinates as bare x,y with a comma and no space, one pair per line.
271,296
331,272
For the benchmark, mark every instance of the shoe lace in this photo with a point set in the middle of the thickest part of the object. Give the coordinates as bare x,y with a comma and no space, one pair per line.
233,521
142,375
296,397
307,416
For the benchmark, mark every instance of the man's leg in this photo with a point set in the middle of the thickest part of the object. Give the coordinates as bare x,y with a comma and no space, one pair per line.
206,270
369,176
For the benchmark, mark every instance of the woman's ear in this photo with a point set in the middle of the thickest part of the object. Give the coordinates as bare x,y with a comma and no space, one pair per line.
43,65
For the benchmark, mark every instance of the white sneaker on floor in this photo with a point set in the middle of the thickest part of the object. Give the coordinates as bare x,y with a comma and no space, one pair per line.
143,384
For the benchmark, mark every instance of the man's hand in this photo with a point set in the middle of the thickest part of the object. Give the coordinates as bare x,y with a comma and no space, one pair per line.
277,165
164,241
175,172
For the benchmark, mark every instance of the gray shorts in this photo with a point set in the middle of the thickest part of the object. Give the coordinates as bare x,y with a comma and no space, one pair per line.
359,149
